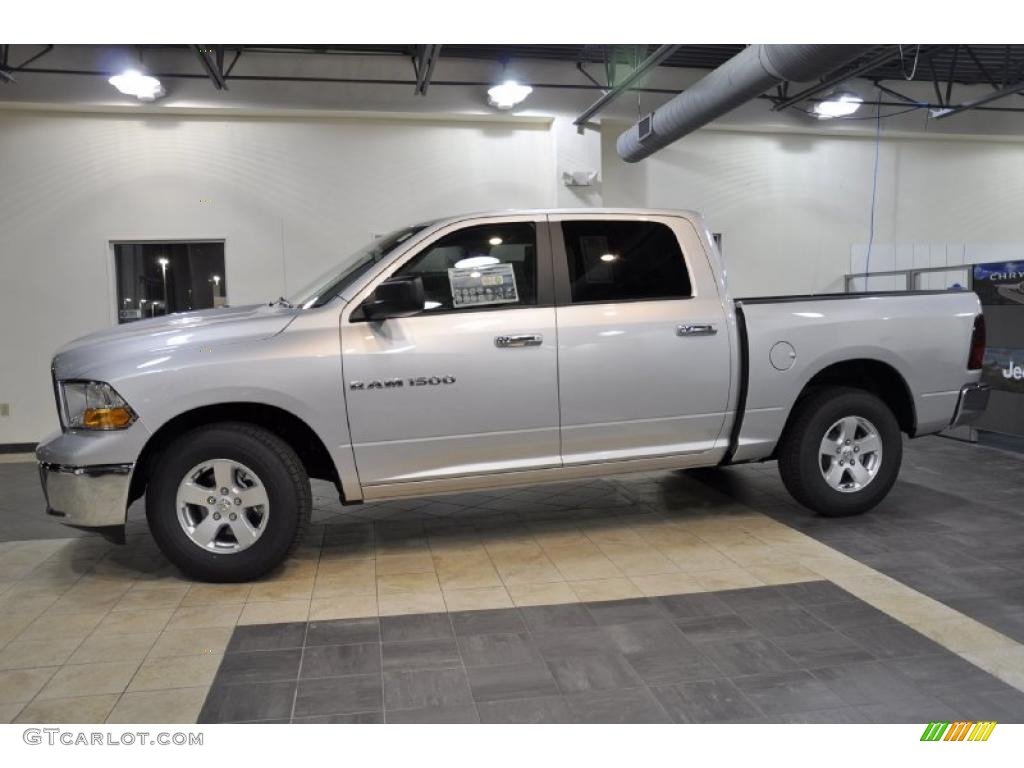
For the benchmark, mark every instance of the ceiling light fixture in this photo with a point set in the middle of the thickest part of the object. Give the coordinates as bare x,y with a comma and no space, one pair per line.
507,94
134,83
838,105
609,257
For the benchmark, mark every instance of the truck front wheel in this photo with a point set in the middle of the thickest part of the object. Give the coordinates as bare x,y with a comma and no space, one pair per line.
228,502
841,452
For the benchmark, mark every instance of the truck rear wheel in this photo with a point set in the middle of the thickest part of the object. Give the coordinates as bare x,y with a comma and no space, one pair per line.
841,452
228,502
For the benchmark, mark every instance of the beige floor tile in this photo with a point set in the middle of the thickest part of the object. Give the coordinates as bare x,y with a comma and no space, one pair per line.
89,679
637,560
177,672
83,709
191,642
293,569
199,616
42,652
480,598
1005,663
150,599
134,622
582,562
654,584
696,557
529,567
356,570
962,634
541,593
97,648
171,706
68,626
21,685
275,612
410,602
730,578
754,553
343,607
342,586
10,711
403,583
421,561
91,596
607,589
466,571
216,594
783,573
272,591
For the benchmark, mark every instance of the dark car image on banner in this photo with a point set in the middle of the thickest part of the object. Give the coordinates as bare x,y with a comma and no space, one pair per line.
1000,282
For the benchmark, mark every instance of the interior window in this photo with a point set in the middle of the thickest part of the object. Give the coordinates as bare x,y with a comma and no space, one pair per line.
490,265
624,261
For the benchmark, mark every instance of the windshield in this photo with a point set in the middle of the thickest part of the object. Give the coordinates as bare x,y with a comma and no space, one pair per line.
337,279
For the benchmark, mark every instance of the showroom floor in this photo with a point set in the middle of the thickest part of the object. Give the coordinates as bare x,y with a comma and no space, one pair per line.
700,597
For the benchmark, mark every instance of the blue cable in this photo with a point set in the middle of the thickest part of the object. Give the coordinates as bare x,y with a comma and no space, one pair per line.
874,188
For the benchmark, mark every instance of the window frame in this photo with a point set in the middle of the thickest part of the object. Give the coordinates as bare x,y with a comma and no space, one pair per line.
545,268
563,281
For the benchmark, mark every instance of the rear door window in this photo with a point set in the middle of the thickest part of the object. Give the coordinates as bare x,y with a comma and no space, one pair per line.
624,261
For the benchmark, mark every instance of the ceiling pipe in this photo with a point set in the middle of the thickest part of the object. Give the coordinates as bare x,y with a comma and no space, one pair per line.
745,76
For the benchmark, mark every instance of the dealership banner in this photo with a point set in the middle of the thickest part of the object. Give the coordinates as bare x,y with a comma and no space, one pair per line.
1003,369
1000,282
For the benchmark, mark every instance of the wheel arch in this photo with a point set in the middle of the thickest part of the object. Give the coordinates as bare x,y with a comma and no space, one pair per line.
875,376
293,430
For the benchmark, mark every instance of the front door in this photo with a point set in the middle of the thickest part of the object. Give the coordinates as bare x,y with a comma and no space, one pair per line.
644,358
469,385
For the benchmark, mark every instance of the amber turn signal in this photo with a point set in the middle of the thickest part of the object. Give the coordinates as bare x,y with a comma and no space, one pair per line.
107,418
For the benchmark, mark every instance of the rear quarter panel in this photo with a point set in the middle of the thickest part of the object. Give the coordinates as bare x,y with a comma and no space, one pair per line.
924,337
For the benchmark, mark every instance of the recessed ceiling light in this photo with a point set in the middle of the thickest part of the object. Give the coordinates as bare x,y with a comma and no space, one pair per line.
134,83
472,262
507,94
838,105
495,241
609,257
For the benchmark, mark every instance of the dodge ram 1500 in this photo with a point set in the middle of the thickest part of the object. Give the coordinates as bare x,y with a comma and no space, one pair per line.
491,350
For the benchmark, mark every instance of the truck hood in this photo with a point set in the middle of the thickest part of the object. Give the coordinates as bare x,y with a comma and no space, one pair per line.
86,356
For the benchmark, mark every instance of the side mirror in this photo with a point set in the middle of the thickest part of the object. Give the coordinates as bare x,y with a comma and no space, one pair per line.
398,297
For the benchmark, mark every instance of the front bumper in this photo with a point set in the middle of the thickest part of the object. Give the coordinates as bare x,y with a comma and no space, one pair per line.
972,402
87,497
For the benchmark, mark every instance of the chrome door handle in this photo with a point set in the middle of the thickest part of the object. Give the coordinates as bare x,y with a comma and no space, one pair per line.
696,329
519,340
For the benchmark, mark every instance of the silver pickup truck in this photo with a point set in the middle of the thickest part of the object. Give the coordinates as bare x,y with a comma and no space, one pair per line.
491,350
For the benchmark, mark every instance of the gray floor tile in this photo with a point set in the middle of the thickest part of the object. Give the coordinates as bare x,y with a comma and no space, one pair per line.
248,701
425,688
424,626
421,654
343,632
571,642
913,711
339,695
597,672
944,671
891,640
869,683
822,649
454,714
746,656
636,705
498,621
783,621
781,692
647,636
360,718
548,709
696,606
514,681
848,614
755,599
267,637
338,660
835,716
815,593
623,611
707,701
713,627
546,618
495,650
259,667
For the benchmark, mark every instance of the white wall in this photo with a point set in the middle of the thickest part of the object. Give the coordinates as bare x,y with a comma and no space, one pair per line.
792,206
290,197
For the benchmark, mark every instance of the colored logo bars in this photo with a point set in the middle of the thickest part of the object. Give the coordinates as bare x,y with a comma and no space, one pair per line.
959,731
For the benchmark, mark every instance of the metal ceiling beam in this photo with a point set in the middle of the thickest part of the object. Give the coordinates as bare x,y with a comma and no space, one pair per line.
5,72
215,75
423,66
660,54
1002,93
873,63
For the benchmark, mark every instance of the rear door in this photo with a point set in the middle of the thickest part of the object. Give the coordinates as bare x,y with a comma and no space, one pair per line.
469,385
644,352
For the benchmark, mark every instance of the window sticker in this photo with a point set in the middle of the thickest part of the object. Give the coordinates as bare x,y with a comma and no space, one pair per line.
479,286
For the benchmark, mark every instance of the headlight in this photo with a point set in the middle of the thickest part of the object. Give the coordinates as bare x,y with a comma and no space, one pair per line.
94,405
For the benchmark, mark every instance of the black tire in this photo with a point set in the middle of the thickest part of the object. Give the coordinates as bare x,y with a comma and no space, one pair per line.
284,479
799,450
